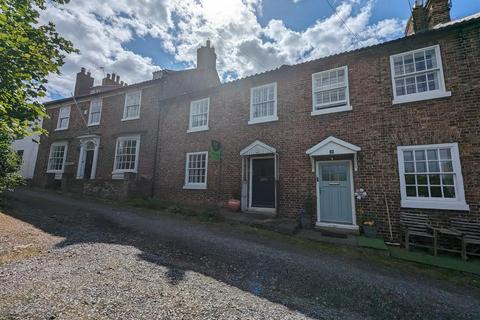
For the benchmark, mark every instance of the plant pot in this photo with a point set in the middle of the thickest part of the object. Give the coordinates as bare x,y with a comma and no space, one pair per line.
234,205
370,231
305,220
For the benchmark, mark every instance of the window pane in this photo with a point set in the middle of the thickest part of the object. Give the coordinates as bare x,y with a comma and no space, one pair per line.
433,166
422,179
423,191
410,179
447,179
447,166
411,191
434,179
419,154
421,166
409,167
436,192
449,192
408,155
432,154
445,154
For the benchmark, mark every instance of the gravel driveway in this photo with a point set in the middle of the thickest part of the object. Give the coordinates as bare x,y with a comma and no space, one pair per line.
101,262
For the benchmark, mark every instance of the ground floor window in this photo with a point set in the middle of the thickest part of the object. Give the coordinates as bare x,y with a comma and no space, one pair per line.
196,170
126,154
431,177
56,159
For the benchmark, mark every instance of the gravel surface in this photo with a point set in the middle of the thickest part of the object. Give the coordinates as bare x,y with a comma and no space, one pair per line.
94,261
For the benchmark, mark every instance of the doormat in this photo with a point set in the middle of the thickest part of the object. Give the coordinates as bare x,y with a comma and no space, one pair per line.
373,243
334,234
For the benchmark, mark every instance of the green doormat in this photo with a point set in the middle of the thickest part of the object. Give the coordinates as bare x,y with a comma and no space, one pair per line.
373,243
454,263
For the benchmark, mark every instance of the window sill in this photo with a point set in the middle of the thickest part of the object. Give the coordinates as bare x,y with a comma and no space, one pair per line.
435,204
421,96
331,110
199,129
54,171
93,124
263,120
60,129
127,119
195,187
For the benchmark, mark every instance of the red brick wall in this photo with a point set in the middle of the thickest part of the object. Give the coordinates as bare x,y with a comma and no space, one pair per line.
111,126
374,124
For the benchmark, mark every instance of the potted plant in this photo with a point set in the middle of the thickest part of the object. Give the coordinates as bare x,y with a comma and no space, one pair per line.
307,213
234,202
370,225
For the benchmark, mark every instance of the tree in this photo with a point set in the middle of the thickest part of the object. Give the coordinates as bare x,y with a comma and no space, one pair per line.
9,164
29,52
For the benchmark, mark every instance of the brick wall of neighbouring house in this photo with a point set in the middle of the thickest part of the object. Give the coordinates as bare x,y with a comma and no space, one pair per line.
374,124
111,127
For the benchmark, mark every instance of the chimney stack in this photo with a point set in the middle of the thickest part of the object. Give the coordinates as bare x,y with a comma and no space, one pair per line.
112,80
84,83
206,58
427,15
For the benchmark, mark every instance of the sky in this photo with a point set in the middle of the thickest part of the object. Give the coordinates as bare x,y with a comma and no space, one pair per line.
133,38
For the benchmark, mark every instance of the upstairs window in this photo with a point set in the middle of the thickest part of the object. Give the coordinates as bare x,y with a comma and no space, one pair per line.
196,170
199,115
263,103
57,156
330,91
126,154
63,118
95,112
132,105
431,177
418,75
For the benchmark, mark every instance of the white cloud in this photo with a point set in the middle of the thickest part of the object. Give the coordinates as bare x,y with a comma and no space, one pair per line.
99,29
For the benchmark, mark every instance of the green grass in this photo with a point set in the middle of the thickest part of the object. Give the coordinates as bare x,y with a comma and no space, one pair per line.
373,243
442,261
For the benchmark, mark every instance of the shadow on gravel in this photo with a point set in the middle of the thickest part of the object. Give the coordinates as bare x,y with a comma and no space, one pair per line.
327,288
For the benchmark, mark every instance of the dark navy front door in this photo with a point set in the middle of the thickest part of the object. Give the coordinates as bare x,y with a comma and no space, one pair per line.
263,183
335,192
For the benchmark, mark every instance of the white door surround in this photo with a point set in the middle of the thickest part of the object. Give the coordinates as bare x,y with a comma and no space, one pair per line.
88,143
256,150
333,146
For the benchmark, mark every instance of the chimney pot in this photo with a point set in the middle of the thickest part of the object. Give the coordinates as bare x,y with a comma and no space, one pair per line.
118,78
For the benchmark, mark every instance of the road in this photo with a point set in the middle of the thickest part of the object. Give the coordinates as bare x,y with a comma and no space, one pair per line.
99,261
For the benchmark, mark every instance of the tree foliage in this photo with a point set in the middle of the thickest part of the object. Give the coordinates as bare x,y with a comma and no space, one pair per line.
29,52
9,164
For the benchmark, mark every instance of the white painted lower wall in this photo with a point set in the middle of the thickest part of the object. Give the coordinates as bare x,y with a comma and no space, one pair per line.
29,145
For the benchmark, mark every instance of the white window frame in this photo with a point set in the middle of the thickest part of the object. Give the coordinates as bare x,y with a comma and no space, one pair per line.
90,122
273,117
434,94
457,203
190,185
124,118
137,152
333,109
199,128
55,144
60,118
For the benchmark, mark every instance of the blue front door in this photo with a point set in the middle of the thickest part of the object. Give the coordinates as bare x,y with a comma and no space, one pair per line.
335,192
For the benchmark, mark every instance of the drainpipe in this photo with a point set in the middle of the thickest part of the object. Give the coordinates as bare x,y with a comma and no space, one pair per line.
155,156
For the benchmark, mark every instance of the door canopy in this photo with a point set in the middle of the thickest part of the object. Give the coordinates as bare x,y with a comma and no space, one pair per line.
333,146
257,148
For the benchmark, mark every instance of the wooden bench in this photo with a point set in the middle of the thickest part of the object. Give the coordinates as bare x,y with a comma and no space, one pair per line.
470,235
417,225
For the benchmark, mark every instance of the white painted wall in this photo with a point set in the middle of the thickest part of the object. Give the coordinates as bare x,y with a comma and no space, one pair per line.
29,145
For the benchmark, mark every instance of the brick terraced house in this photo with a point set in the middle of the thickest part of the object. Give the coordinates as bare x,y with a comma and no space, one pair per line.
400,120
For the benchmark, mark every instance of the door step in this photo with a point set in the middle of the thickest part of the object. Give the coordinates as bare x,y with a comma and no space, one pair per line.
337,232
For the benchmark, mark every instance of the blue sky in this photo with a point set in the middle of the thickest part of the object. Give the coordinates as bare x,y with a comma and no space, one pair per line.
135,37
